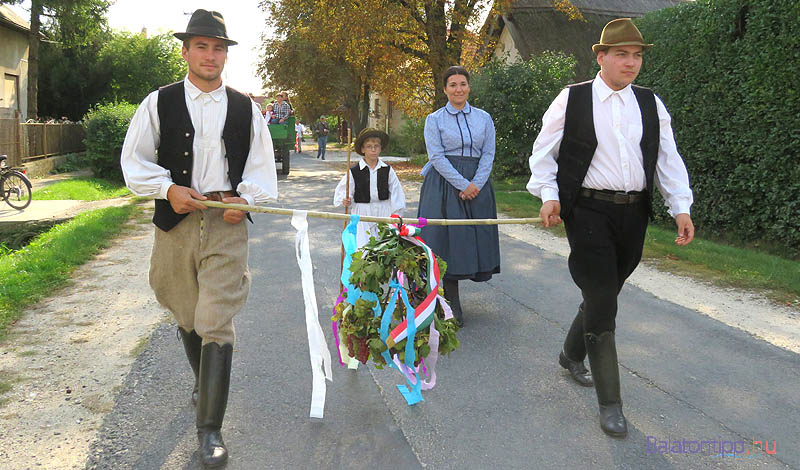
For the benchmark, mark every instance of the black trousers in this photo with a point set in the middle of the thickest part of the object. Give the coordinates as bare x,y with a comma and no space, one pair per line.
606,241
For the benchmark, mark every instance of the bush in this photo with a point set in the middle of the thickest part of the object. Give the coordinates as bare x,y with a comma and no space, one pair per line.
727,72
517,95
106,126
411,140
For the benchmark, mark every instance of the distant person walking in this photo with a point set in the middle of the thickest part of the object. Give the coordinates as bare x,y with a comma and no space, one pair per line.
299,128
321,129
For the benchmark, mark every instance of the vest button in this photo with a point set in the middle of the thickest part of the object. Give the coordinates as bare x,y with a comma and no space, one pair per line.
185,154
185,172
187,134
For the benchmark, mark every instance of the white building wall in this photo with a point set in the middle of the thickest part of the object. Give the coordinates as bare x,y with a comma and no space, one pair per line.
13,73
383,115
506,49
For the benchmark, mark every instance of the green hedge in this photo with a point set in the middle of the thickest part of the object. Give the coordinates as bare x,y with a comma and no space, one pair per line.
727,70
106,126
516,96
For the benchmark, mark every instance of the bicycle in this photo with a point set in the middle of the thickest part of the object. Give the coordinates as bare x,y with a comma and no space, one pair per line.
15,186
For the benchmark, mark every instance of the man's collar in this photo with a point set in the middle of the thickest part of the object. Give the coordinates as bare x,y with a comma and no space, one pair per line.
362,164
604,91
452,110
194,92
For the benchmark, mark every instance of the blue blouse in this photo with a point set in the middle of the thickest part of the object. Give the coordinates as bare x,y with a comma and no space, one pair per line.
468,132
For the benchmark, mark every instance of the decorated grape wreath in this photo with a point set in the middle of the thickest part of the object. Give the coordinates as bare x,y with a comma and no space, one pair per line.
391,311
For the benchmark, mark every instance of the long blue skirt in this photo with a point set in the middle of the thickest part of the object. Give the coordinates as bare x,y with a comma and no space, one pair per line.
471,251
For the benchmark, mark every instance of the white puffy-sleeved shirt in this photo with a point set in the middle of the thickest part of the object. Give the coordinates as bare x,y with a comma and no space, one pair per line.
617,163
375,207
145,177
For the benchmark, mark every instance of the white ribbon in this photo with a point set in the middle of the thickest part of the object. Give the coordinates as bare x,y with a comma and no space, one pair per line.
317,346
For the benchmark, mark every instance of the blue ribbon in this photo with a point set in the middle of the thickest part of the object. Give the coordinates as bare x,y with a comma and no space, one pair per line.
414,394
350,247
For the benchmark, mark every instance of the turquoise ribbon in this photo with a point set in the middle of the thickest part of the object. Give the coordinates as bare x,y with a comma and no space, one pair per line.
350,247
414,394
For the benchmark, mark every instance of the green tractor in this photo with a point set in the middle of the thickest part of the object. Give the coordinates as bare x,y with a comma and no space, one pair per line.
283,139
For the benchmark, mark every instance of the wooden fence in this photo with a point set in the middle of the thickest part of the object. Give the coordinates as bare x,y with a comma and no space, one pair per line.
24,142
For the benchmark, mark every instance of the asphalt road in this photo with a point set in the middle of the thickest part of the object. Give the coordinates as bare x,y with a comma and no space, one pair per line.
501,400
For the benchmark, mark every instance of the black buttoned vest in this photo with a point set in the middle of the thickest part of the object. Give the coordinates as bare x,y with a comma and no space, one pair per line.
177,135
361,180
580,142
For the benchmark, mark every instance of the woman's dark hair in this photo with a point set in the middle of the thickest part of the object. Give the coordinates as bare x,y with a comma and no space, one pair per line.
454,70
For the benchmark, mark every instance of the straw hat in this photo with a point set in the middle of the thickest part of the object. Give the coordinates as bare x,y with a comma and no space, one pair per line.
366,134
620,32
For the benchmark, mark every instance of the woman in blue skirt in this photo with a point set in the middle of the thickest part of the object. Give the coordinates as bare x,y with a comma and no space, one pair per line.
461,142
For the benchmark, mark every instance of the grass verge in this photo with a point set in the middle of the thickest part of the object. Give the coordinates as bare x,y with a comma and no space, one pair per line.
82,189
45,264
721,264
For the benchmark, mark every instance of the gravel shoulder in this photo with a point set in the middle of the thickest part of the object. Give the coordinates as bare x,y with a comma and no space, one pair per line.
69,355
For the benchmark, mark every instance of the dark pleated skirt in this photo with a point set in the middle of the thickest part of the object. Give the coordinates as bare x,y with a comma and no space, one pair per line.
471,251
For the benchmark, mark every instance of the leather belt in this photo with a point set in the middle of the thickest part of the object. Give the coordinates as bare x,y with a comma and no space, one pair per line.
218,195
617,197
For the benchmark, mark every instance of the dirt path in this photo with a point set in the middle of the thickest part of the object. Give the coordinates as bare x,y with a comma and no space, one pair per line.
69,355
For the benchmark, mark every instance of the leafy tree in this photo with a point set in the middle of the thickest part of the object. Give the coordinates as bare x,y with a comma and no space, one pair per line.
109,67
321,84
76,20
136,65
397,47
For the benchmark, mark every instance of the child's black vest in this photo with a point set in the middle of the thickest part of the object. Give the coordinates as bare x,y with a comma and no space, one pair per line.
177,135
361,180
580,142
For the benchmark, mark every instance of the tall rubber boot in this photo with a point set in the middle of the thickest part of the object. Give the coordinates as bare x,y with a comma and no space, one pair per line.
451,294
574,351
602,351
192,344
215,378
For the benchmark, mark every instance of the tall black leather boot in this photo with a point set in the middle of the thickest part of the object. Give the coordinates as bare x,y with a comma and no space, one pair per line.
574,351
192,344
215,378
602,351
451,294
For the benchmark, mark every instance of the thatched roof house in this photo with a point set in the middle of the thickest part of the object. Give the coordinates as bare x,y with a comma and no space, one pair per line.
533,26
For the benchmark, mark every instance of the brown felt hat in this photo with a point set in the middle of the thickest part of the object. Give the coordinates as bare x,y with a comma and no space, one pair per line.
620,32
209,24
366,134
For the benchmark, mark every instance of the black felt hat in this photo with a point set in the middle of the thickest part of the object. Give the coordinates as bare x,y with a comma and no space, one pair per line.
208,24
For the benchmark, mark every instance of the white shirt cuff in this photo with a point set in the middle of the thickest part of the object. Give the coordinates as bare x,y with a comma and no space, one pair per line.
549,194
164,188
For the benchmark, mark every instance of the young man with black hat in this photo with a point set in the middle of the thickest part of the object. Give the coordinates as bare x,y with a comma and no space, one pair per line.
192,141
604,145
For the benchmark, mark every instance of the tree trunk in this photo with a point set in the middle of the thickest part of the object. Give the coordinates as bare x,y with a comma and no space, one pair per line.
436,31
33,60
364,121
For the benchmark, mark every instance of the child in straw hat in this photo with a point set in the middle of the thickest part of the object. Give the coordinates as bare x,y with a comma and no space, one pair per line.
375,189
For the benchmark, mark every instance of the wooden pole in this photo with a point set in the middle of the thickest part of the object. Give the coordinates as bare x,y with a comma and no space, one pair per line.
347,196
366,218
